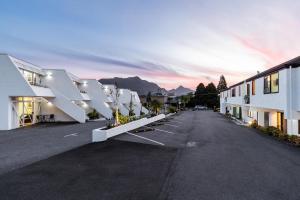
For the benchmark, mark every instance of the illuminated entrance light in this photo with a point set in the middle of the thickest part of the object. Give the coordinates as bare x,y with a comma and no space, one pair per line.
49,75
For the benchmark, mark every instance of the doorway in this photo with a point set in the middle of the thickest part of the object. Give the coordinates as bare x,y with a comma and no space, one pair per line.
267,119
26,109
281,122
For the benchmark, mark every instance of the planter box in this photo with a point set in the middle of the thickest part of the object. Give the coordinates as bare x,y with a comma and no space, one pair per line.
100,135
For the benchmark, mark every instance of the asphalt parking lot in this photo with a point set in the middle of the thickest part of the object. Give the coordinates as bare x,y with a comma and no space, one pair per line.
23,146
169,133
195,155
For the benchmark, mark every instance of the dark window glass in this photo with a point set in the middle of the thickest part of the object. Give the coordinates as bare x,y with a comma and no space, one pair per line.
271,83
267,85
233,92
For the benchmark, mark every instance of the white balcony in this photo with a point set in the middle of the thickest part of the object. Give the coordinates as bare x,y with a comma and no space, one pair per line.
42,91
85,96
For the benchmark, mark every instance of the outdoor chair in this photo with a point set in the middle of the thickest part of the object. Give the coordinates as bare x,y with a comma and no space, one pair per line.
51,118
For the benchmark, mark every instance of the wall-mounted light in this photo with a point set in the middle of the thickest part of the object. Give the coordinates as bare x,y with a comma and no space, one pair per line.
49,103
84,105
85,83
49,75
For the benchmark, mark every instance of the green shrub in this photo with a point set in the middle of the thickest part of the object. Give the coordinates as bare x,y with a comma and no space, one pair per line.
284,137
172,109
124,119
93,115
274,131
254,124
294,139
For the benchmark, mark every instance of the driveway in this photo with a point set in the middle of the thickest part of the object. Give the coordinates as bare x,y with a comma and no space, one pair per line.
198,155
23,146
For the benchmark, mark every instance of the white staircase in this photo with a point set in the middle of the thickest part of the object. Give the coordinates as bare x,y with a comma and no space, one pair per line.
123,110
67,106
101,108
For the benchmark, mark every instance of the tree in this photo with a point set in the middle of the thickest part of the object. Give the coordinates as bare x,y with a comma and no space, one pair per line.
200,94
156,106
148,99
212,96
116,103
184,100
131,111
222,84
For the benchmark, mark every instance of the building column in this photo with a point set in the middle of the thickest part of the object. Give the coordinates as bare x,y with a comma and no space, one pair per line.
292,127
5,113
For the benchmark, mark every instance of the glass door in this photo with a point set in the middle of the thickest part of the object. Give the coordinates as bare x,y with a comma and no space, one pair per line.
25,110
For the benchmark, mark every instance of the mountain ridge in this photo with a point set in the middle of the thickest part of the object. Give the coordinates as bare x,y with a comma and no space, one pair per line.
142,87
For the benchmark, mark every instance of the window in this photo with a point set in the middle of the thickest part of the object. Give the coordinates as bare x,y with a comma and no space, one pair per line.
248,89
240,90
253,87
250,114
29,76
267,119
275,82
233,92
271,83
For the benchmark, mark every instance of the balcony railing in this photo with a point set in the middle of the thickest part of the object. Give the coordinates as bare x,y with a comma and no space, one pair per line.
247,99
38,84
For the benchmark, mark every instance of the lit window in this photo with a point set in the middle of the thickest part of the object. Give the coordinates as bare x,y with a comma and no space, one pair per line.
275,82
253,87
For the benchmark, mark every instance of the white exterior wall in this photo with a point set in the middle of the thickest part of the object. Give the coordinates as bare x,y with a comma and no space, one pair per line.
59,80
60,116
273,100
98,97
12,84
287,100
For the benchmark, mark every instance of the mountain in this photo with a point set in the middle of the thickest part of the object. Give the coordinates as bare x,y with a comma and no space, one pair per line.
142,87
180,91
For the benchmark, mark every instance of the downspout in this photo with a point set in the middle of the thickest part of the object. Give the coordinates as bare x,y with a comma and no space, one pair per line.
290,92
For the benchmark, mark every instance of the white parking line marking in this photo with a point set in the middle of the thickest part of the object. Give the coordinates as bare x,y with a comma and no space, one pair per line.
171,125
146,139
73,134
160,130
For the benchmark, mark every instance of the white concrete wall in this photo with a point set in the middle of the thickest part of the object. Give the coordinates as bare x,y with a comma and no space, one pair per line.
287,100
61,81
98,98
60,116
272,100
67,106
12,84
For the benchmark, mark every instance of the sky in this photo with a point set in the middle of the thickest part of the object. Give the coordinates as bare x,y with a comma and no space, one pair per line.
169,42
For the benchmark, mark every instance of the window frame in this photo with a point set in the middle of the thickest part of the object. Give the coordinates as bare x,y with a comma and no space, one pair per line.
233,92
253,88
270,82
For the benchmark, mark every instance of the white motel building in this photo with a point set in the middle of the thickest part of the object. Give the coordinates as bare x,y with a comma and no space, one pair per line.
271,97
30,94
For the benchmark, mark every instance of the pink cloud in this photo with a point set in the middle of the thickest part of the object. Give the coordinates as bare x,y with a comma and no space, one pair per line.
271,55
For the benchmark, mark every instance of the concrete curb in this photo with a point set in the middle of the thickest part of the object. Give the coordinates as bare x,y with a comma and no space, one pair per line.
100,135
